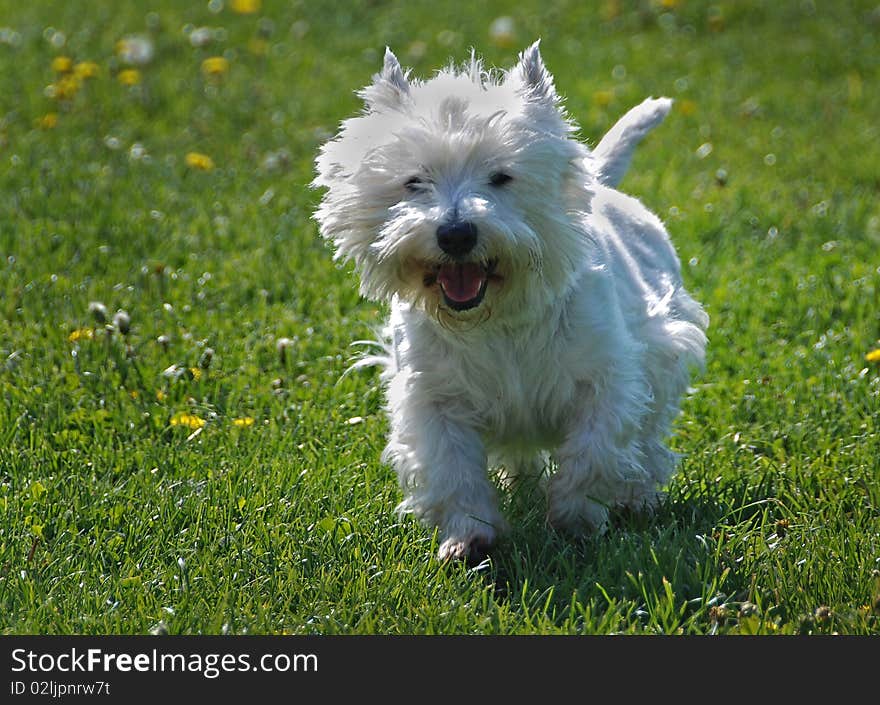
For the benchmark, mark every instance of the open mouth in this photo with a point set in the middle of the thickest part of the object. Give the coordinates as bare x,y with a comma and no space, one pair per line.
463,284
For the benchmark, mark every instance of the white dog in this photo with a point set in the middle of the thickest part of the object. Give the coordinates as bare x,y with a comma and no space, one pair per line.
538,319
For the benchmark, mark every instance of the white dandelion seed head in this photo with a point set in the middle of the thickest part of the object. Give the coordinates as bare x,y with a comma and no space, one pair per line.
206,357
173,371
136,49
502,29
122,321
201,36
137,152
99,311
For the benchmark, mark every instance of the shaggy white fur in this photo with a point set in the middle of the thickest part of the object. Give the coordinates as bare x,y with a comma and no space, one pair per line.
537,314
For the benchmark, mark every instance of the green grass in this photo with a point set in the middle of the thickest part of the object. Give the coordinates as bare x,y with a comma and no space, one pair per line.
114,520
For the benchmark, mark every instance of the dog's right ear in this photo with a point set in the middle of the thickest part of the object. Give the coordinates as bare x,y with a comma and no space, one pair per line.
390,87
532,76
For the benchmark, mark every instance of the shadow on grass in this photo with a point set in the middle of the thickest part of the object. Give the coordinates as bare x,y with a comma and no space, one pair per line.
650,571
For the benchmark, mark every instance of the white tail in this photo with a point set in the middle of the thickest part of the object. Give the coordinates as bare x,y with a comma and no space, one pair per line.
612,155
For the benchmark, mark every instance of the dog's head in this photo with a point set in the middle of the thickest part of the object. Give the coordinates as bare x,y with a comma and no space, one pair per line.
458,194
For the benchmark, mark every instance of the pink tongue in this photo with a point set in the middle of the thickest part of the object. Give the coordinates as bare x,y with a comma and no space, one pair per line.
461,282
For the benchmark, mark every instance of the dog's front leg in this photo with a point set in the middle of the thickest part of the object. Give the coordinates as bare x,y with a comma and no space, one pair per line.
601,460
441,465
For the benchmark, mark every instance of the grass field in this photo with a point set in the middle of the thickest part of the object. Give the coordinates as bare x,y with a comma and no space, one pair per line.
208,472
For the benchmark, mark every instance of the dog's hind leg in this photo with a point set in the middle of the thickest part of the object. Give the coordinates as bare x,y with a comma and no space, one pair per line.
601,460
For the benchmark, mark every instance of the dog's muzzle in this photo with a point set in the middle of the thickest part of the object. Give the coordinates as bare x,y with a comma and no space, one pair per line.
462,282
457,238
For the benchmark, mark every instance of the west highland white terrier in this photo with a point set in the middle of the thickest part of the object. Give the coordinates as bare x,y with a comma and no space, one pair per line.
538,320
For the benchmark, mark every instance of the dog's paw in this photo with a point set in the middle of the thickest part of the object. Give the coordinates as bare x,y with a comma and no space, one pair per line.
472,551
578,516
642,499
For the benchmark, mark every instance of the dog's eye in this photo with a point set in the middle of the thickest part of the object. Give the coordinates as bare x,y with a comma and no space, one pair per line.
499,178
415,183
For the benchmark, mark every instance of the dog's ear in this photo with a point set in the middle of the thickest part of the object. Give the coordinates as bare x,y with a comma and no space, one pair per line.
534,80
393,74
390,87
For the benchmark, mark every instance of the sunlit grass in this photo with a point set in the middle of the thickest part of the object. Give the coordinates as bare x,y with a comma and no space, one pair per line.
199,464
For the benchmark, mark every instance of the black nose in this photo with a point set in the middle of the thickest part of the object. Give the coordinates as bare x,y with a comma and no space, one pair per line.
457,238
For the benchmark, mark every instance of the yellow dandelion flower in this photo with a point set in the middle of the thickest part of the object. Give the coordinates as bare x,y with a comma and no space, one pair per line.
243,422
610,10
873,356
66,88
134,394
669,4
258,47
715,19
687,107
160,396
603,98
48,122
62,64
188,420
246,7
201,162
86,69
129,77
215,67
854,86
196,373
81,334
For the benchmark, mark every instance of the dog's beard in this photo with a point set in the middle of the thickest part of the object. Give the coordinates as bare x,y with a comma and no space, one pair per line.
516,272
406,263
453,292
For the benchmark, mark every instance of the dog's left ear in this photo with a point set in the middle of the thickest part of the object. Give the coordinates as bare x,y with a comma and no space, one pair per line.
390,87
536,82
